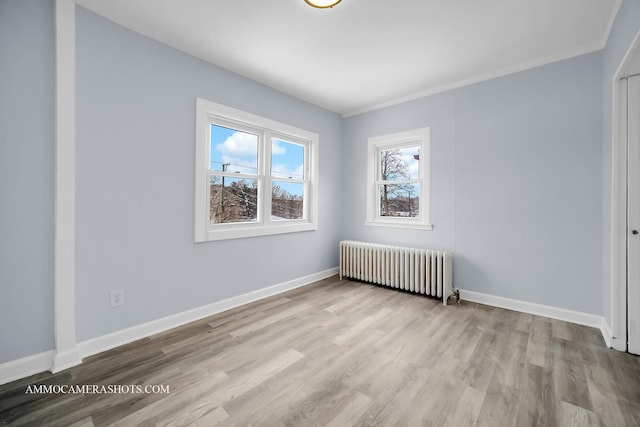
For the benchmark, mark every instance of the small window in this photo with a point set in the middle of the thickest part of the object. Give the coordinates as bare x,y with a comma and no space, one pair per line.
398,184
254,176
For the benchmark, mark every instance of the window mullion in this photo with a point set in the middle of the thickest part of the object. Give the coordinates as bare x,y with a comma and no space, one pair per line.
292,180
266,173
306,173
398,181
232,174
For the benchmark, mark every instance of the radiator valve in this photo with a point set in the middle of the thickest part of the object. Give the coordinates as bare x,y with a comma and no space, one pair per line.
456,293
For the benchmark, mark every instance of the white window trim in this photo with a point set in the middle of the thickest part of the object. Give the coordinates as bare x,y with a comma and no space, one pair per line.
206,113
421,137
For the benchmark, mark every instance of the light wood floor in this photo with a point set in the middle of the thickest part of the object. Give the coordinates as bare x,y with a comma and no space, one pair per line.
341,353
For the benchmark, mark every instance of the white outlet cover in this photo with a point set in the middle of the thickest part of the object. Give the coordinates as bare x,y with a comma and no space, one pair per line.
117,298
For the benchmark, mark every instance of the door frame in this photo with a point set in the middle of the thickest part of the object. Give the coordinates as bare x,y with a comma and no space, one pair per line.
619,227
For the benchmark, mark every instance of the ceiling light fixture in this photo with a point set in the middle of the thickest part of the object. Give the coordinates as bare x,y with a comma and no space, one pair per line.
322,4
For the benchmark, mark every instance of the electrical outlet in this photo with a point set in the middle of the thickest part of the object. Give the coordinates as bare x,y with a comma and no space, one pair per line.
117,298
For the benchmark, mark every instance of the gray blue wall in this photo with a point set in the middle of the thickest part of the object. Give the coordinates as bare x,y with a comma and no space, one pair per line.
625,28
520,192
516,182
135,192
26,177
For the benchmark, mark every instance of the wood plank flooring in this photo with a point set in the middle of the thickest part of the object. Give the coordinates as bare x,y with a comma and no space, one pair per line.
342,353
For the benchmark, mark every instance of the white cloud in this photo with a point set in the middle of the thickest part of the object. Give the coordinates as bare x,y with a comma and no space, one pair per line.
277,149
239,152
407,156
414,169
239,144
283,171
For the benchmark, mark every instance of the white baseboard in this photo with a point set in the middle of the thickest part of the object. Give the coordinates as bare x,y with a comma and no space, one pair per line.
26,366
20,368
66,359
577,317
125,336
605,330
617,343
50,361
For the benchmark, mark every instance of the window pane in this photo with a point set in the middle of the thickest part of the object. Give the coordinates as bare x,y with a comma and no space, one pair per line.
400,200
287,200
400,163
233,200
287,159
233,150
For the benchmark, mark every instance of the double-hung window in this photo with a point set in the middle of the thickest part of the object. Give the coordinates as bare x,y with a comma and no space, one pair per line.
254,176
398,180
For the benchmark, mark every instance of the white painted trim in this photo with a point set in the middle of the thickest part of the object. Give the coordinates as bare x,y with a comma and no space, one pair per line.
421,137
66,359
208,112
605,330
619,218
66,352
633,214
478,79
116,339
619,202
26,366
577,317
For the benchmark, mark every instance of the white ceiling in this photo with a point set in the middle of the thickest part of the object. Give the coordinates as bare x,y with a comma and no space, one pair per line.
363,54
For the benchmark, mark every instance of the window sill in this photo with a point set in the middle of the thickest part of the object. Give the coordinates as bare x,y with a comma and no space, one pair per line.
397,224
255,230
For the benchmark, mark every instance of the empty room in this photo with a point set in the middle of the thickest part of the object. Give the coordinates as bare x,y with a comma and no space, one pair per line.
320,213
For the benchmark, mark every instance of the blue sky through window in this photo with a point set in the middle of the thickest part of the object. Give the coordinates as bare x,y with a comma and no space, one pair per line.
237,151
233,151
